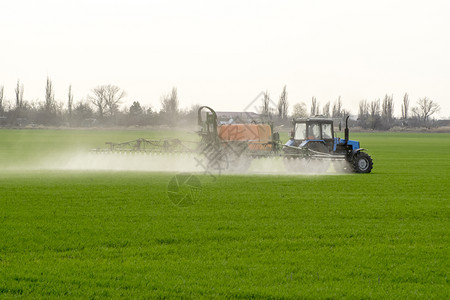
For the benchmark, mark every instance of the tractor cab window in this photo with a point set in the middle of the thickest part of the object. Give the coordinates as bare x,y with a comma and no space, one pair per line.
300,131
314,131
327,132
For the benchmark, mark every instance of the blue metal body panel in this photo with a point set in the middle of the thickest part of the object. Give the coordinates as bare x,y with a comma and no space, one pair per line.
354,144
337,141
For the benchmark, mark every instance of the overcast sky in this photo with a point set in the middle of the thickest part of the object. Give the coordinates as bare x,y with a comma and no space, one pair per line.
224,53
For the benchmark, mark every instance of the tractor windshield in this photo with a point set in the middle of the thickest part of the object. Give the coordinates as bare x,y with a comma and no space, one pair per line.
314,131
327,132
300,131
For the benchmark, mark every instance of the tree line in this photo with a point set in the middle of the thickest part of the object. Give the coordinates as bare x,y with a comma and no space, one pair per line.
102,108
375,115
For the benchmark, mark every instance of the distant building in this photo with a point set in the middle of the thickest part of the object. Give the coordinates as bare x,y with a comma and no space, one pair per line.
229,117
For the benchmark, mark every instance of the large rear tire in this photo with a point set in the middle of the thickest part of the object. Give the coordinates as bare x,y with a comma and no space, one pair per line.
362,163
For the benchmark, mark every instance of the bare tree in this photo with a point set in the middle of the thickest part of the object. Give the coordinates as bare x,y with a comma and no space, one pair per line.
363,113
283,105
300,110
170,106
374,112
326,109
266,104
374,108
70,103
19,95
99,99
2,88
363,109
106,98
113,96
425,109
314,106
49,97
405,106
337,108
16,92
387,110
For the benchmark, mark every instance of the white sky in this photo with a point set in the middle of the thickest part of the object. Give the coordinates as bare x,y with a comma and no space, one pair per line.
224,53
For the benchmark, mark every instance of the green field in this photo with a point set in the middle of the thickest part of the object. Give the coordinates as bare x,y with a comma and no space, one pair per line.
116,234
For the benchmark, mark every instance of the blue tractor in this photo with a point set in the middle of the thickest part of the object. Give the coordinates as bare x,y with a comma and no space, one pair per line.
232,146
312,140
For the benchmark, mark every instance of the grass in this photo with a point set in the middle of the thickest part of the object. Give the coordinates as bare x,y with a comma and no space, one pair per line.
25,146
116,234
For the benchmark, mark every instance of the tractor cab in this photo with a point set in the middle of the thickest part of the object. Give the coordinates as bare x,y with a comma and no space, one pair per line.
314,133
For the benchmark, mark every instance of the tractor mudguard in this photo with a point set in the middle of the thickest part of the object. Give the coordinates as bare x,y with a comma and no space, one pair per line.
352,154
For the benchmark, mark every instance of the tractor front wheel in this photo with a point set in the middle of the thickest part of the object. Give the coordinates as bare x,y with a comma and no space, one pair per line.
362,163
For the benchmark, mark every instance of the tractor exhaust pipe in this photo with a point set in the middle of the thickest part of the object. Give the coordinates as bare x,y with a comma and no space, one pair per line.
346,130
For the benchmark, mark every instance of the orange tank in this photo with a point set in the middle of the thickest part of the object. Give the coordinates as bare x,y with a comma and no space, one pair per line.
258,136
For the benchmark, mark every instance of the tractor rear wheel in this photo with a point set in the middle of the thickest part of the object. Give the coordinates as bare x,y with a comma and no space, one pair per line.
362,163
